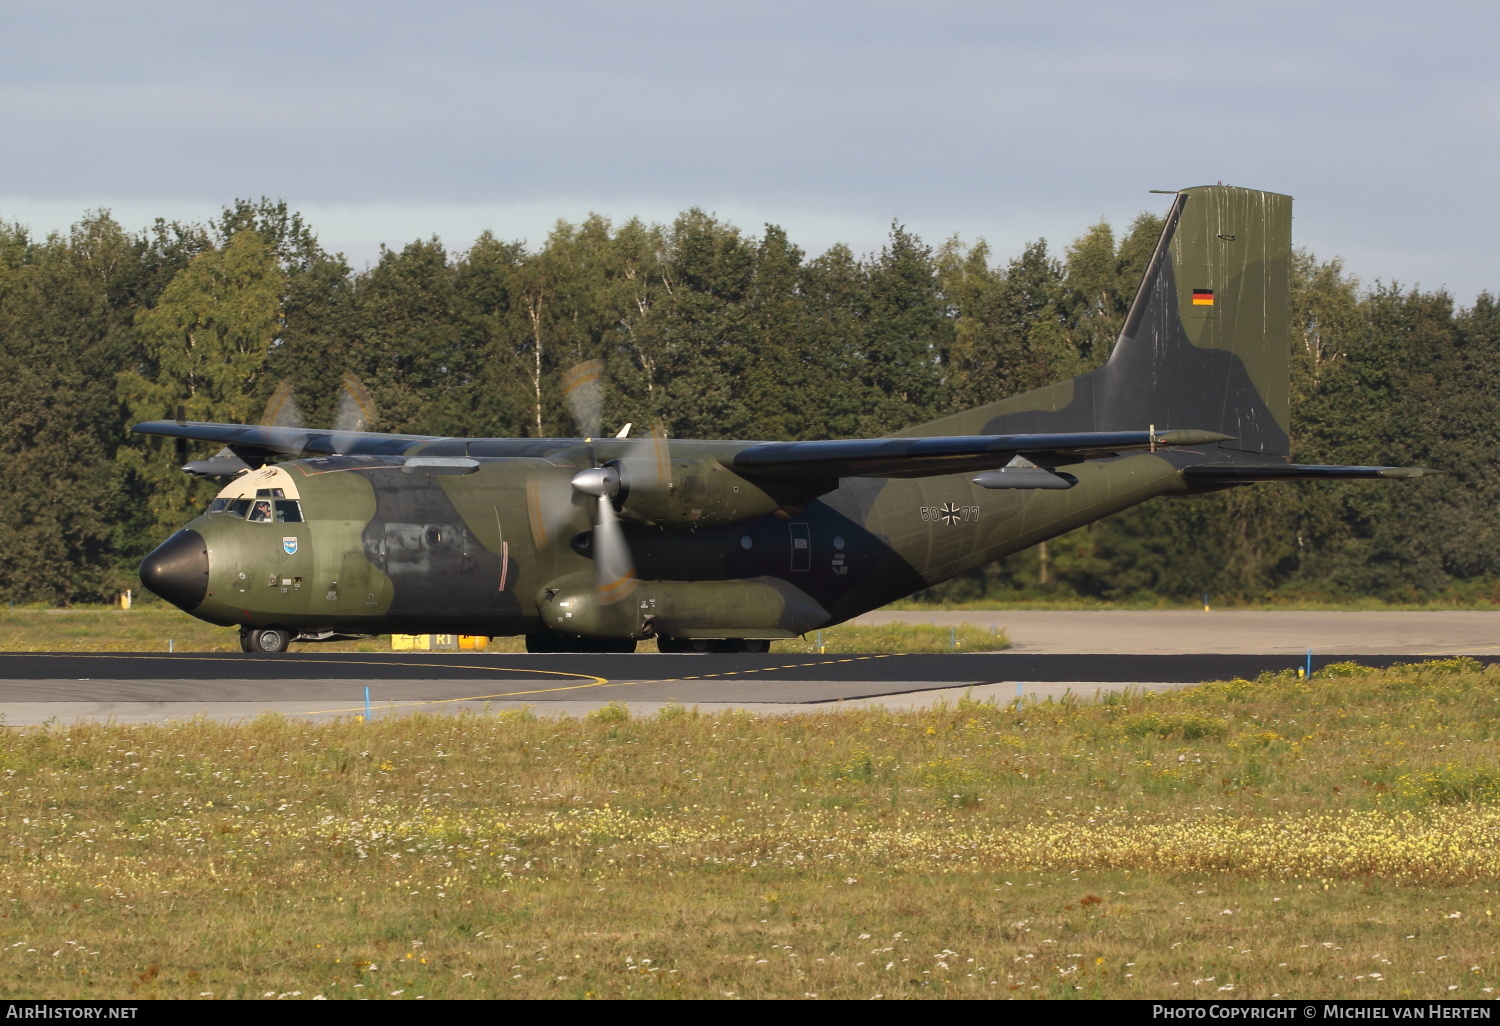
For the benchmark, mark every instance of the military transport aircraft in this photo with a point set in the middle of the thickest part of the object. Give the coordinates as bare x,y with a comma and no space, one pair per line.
591,544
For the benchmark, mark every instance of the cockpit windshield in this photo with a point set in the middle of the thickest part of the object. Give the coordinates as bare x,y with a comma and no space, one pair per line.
264,496
260,511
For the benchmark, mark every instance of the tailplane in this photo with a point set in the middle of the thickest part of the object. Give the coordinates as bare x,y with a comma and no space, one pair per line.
1205,345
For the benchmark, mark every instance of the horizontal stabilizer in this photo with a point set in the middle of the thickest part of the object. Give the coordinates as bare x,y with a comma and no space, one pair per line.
929,457
1246,473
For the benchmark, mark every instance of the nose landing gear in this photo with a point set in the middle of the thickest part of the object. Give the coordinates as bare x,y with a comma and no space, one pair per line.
266,641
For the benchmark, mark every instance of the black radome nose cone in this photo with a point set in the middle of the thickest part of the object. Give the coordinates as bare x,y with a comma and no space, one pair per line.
178,570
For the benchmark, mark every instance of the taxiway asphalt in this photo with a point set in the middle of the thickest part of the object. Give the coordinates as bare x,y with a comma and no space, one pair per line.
1246,632
37,688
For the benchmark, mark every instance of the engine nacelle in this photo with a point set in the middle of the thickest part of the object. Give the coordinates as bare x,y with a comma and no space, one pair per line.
694,493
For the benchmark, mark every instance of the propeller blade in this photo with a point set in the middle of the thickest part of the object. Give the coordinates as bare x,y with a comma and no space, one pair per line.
649,460
550,505
614,572
281,409
584,387
356,406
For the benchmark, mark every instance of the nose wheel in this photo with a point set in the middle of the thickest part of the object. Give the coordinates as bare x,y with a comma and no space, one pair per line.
269,641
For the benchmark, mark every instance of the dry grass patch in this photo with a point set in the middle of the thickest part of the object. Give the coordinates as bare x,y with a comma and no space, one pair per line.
1321,838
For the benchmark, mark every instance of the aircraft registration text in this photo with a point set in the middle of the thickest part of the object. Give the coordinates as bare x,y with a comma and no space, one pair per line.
949,513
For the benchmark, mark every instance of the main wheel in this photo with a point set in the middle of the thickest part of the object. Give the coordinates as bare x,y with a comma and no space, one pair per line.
550,641
685,644
270,641
543,641
245,640
753,645
619,645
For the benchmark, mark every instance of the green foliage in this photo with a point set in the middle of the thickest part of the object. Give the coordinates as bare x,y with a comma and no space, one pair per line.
708,331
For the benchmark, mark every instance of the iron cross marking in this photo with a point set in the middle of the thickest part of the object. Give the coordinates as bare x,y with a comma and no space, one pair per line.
950,513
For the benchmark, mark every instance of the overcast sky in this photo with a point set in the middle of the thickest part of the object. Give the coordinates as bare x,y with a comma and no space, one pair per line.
385,121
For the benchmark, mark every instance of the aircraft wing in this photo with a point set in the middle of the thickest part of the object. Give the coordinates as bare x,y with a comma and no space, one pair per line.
258,441
929,457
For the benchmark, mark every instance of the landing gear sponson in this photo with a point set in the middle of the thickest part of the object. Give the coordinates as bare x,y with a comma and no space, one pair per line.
276,640
548,641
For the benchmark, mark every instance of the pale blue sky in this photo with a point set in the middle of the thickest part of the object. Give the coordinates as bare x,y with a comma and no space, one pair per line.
386,121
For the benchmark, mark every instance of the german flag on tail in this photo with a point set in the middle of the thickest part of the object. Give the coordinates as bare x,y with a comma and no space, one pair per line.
1203,297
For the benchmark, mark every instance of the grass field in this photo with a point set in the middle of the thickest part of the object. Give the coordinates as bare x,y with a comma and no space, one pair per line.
1287,605
155,628
1323,838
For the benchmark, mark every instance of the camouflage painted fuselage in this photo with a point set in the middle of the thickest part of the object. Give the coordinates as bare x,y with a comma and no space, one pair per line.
383,550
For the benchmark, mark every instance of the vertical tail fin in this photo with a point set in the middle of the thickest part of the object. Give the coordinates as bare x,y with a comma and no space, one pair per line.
1206,344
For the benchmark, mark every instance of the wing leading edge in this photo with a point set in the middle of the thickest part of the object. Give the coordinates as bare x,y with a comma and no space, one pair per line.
253,441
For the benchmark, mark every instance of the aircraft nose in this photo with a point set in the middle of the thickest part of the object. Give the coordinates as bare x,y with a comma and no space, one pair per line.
178,570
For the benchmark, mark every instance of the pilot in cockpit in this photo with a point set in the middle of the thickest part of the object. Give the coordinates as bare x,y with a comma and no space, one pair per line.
260,513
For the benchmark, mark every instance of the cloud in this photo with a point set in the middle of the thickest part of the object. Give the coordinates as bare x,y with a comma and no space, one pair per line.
978,118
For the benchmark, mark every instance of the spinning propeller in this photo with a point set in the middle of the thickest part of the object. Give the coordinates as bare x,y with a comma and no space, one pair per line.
356,412
641,464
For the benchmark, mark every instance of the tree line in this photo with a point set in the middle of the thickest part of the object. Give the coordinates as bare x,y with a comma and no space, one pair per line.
712,332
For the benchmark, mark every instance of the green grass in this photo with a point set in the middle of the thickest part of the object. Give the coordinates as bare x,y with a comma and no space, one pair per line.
1311,839
146,628
898,637
1361,605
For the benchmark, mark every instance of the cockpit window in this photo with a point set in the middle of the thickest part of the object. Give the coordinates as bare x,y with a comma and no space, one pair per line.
270,493
263,509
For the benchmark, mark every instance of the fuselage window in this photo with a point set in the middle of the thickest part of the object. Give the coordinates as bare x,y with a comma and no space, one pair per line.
288,511
238,507
260,513
217,506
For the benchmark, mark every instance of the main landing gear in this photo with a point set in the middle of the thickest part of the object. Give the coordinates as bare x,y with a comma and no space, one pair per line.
751,645
266,641
550,641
